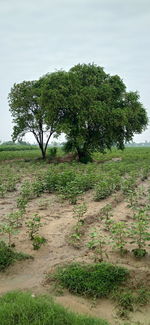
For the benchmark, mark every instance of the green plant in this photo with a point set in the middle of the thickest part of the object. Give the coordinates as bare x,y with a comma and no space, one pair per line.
76,234
98,244
78,230
26,191
38,241
132,198
52,152
25,308
11,183
8,256
143,296
38,187
2,190
8,229
126,300
119,233
15,218
33,226
128,184
145,173
103,190
22,203
139,232
95,280
105,212
70,192
79,212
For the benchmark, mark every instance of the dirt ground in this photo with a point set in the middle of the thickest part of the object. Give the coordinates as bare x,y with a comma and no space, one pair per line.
58,222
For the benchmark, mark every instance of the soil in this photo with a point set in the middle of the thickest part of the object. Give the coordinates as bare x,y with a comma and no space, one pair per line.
58,221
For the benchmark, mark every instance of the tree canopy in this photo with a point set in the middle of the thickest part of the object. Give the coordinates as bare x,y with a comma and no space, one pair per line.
30,112
91,107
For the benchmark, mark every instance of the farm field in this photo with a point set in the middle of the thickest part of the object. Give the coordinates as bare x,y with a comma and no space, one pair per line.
63,213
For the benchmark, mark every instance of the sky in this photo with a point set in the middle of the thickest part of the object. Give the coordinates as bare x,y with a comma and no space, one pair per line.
37,37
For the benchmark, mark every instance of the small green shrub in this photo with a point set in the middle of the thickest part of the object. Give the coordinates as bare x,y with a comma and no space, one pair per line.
70,192
33,226
50,181
98,245
22,203
38,241
95,280
126,300
26,190
128,184
2,190
143,296
139,252
140,232
103,190
52,152
38,187
119,234
8,256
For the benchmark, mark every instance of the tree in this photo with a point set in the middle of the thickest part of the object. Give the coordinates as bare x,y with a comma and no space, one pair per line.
100,113
31,113
91,107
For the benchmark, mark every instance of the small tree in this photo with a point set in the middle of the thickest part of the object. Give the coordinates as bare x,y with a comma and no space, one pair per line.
29,107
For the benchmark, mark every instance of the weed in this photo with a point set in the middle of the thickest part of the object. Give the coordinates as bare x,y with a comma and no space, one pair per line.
22,203
119,235
95,280
2,190
38,241
33,226
8,256
24,308
143,296
103,190
139,232
38,187
79,212
128,184
98,245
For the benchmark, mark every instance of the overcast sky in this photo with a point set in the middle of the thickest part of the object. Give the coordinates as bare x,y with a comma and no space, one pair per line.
37,37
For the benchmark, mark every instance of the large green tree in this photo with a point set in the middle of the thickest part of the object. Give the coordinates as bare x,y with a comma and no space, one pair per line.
34,110
91,107
99,112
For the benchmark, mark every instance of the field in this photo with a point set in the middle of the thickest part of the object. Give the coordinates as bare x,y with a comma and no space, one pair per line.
69,218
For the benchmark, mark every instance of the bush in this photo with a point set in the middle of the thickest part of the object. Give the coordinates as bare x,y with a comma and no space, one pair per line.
52,152
103,190
8,256
126,300
95,280
18,308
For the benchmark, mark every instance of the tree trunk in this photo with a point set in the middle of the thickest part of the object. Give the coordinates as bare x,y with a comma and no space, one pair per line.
43,151
83,155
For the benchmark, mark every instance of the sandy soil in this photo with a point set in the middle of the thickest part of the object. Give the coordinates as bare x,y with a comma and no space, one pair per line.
58,221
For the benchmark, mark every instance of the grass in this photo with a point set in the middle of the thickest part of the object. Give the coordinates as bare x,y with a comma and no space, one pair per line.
11,152
18,308
93,280
8,256
17,147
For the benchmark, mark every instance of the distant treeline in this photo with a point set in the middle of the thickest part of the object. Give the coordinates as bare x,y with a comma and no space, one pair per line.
141,144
